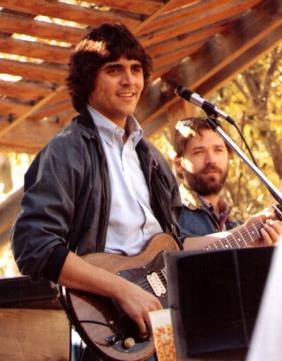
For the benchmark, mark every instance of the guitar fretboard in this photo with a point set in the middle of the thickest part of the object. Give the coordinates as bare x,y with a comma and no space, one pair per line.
241,238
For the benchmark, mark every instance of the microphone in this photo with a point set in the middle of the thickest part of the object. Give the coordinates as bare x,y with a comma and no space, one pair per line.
196,99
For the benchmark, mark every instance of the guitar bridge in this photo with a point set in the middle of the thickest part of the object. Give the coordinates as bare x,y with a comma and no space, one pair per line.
156,284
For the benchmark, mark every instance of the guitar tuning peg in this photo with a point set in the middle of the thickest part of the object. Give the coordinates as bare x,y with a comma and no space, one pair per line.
129,342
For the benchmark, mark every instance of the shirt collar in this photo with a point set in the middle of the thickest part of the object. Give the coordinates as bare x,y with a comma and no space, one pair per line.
110,132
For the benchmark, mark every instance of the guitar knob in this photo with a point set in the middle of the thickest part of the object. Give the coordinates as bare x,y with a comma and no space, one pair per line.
129,342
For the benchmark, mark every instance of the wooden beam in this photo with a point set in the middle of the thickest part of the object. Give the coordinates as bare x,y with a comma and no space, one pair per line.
185,26
201,66
244,61
12,107
230,46
174,4
23,139
137,6
54,54
53,110
22,25
30,71
165,63
168,6
195,12
28,91
65,11
186,40
8,107
39,105
56,107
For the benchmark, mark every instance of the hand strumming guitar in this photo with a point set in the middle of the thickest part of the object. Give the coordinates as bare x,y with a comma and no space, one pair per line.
137,303
120,320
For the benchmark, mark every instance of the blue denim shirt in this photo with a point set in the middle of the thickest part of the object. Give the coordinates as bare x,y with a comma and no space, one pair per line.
200,222
198,219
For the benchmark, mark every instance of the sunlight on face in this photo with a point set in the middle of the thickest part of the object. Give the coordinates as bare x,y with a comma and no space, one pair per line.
187,165
117,90
205,163
205,149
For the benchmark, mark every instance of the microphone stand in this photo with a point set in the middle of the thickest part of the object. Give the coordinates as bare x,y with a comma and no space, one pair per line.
213,122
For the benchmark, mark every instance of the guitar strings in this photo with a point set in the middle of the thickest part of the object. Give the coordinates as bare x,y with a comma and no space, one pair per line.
232,240
237,242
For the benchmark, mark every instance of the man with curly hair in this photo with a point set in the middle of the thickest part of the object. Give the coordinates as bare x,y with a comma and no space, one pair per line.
98,185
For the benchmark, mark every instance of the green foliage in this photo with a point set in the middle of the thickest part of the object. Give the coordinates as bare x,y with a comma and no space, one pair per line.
253,100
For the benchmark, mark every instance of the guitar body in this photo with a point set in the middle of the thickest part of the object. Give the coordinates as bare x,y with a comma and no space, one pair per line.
100,322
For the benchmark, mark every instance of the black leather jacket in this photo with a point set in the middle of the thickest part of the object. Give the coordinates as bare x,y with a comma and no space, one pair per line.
67,197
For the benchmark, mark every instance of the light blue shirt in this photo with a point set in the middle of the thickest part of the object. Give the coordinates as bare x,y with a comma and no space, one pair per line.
132,222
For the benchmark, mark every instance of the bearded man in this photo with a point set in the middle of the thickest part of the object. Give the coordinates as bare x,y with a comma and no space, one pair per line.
202,160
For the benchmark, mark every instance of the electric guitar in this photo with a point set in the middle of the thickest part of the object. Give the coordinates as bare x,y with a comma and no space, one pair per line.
100,321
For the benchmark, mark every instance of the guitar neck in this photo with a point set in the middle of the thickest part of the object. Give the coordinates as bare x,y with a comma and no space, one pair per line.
240,238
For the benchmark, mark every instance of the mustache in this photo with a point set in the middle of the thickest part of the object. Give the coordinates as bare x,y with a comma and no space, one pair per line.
210,168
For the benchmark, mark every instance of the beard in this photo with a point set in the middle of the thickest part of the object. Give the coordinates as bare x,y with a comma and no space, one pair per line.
206,184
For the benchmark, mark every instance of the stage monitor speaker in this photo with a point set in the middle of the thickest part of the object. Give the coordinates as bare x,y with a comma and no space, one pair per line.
215,297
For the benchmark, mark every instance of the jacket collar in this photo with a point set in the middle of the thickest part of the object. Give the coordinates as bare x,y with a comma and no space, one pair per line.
194,201
84,119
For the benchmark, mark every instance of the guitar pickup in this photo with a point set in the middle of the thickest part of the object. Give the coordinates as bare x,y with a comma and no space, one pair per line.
156,284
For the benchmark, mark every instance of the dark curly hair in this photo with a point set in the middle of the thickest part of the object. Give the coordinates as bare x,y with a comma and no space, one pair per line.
103,44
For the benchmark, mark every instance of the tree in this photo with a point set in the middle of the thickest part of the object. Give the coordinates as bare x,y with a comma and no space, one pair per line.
253,99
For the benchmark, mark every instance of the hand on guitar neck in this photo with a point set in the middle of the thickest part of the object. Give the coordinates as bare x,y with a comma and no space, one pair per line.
271,229
262,229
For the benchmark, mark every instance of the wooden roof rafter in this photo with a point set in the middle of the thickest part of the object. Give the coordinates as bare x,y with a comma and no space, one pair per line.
197,72
46,72
192,42
50,53
19,24
75,13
